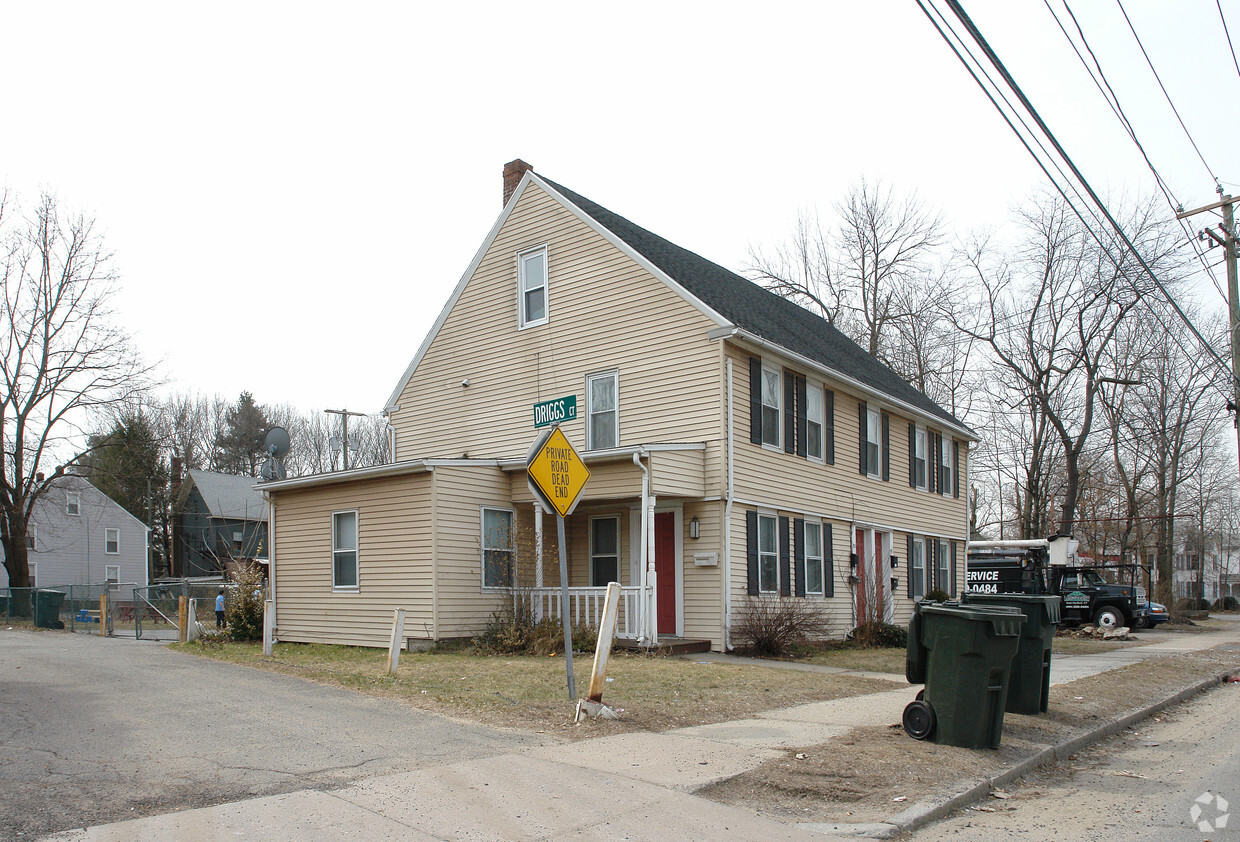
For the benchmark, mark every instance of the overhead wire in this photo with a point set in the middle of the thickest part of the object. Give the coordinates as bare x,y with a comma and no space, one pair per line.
1227,34
1115,227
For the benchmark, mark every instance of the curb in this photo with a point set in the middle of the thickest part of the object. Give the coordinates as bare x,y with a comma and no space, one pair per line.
925,812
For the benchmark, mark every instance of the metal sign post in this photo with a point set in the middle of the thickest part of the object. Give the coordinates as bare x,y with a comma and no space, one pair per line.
556,475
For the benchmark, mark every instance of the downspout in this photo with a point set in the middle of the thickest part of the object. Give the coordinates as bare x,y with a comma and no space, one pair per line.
727,527
271,555
643,551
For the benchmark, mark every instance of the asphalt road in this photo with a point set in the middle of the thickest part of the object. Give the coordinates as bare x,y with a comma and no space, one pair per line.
1140,786
95,730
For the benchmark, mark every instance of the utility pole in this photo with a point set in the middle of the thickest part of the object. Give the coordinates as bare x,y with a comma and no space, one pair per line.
344,420
1227,239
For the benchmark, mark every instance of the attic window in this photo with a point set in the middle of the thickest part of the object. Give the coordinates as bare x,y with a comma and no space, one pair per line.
532,287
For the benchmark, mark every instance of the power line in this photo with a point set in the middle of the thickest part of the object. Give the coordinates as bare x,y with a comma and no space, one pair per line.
1230,46
1157,78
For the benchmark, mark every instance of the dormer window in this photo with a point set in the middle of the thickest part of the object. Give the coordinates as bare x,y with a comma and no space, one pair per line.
532,287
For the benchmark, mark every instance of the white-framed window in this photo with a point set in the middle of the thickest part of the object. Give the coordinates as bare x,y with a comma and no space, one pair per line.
344,550
32,537
602,411
917,568
814,579
34,574
945,460
772,390
498,547
604,550
237,539
919,459
873,443
112,541
768,554
532,287
943,561
73,503
112,573
815,413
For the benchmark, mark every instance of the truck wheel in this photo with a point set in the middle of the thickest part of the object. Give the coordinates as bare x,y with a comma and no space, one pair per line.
919,720
1108,618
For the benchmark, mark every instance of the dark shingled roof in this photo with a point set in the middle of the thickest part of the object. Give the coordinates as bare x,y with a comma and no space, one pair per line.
758,310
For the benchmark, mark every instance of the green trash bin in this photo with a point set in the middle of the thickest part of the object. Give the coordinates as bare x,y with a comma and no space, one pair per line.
969,651
47,609
1029,686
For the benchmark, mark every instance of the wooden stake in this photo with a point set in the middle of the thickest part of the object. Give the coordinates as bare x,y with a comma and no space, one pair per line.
398,634
606,632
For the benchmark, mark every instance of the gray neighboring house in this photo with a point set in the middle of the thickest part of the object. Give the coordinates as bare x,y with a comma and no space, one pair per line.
221,519
80,536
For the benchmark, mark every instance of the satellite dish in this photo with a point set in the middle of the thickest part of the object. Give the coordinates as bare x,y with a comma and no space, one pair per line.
276,442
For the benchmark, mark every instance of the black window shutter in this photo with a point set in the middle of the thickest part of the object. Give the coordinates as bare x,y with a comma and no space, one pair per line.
790,412
952,590
908,566
751,551
912,455
886,447
829,426
755,400
798,555
785,559
828,562
955,469
862,419
932,462
802,417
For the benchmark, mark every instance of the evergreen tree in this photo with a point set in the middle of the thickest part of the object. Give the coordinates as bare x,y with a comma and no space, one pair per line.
239,446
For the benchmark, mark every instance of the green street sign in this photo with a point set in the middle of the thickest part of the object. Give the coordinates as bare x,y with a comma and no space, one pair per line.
555,412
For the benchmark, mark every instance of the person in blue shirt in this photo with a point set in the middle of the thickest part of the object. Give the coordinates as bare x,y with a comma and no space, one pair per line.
219,610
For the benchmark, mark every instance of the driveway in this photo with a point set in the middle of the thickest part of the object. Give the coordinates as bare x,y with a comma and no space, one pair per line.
96,730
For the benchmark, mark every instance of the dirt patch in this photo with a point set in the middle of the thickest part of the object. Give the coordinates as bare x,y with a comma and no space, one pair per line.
873,773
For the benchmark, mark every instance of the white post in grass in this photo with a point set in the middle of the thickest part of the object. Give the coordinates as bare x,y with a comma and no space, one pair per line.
398,633
606,633
191,628
269,615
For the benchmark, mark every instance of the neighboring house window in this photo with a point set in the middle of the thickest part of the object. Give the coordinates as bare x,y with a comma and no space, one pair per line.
73,503
768,555
604,551
917,568
603,429
112,573
34,574
344,550
237,541
814,416
112,541
813,558
771,391
943,560
532,282
498,548
873,449
32,532
919,459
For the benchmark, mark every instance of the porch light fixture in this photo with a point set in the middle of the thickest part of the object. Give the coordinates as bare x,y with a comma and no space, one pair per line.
895,583
852,559
895,562
695,528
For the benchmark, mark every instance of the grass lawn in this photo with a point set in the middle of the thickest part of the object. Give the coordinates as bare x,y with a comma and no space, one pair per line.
859,658
529,692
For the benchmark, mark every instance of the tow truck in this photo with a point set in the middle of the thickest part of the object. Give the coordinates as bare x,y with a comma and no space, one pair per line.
1049,566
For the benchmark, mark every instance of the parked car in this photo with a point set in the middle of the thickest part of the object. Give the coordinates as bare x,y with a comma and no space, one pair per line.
1150,614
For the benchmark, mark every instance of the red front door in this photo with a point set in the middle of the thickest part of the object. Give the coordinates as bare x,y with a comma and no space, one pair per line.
665,570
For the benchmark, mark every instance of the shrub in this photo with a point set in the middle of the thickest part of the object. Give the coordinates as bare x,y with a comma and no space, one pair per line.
776,627
881,635
243,610
512,630
1230,603
937,595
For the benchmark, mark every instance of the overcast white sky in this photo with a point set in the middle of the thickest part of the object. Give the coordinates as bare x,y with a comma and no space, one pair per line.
292,190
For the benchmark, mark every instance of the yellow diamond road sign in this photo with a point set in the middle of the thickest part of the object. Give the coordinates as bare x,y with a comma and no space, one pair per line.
557,473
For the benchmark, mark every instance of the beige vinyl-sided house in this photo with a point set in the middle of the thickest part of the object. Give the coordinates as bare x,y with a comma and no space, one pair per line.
739,447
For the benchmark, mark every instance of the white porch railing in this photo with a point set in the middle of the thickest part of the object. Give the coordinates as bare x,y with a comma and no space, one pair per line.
586,605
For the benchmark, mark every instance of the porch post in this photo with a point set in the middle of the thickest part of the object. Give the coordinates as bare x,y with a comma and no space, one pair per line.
652,606
538,558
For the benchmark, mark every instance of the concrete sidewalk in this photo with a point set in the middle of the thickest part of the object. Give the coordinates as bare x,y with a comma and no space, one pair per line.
625,786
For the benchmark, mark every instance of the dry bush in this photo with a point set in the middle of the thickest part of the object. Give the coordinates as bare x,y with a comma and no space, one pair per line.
777,627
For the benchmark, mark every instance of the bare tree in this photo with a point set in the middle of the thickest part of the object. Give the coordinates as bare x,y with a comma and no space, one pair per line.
64,358
801,270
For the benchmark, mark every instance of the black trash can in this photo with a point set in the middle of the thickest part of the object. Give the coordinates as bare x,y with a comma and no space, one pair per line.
968,653
1029,686
47,608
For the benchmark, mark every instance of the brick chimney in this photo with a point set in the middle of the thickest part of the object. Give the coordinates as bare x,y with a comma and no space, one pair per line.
513,170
